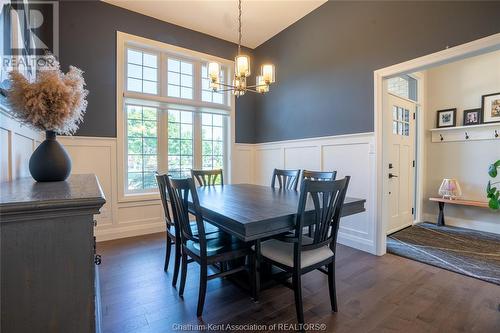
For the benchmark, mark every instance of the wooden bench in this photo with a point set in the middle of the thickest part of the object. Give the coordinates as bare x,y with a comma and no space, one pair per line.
461,202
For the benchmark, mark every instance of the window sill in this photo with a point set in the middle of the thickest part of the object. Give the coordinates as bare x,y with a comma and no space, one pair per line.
138,197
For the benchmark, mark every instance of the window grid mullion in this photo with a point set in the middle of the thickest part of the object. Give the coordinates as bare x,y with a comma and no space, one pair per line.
197,141
162,117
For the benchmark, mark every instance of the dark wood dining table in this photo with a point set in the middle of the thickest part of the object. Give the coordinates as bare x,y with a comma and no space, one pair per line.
252,212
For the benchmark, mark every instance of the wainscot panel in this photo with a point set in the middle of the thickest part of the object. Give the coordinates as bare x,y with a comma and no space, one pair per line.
351,155
17,143
117,220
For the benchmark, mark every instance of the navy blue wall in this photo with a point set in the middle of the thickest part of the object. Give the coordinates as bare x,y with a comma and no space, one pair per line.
88,41
325,61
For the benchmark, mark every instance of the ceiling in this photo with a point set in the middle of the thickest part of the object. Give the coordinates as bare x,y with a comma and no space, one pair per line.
261,19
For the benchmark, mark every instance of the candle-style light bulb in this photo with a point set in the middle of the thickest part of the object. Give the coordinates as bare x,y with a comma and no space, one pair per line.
261,85
268,73
213,71
242,66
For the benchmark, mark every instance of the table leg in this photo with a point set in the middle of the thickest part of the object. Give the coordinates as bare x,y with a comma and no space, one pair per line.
256,272
440,221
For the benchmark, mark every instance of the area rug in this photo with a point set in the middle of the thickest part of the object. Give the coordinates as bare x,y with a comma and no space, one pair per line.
468,252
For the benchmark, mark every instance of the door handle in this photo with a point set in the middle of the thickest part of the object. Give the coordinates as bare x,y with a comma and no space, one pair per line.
392,176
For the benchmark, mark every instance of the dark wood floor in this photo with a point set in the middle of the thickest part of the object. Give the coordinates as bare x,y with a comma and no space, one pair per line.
376,294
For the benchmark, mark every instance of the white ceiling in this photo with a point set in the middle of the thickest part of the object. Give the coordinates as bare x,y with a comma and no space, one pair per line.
261,19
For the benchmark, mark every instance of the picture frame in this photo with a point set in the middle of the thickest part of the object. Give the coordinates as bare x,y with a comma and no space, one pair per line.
472,117
446,118
490,108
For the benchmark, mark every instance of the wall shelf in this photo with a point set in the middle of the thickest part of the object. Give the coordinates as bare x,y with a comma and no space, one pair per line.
466,133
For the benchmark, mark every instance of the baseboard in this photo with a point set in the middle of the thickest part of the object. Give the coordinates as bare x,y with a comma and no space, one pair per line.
129,231
463,223
357,243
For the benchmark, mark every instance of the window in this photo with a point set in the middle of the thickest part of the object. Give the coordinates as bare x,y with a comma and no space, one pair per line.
142,147
180,79
142,72
172,121
180,143
400,121
212,141
404,86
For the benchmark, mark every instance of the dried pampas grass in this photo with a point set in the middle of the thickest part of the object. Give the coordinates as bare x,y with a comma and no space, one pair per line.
54,102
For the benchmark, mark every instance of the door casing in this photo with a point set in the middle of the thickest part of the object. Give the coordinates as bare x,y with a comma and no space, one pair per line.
477,47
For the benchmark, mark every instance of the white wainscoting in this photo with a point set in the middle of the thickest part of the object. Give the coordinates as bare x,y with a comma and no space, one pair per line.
351,155
117,219
250,163
17,143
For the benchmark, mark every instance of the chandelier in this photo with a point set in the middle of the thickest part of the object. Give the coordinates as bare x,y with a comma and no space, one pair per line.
241,71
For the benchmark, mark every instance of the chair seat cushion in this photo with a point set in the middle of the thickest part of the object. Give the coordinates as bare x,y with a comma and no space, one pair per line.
282,252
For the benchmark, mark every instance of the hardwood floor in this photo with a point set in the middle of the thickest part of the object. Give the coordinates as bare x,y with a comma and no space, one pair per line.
375,294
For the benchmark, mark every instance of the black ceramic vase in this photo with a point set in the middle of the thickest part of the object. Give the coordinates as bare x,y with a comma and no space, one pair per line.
50,162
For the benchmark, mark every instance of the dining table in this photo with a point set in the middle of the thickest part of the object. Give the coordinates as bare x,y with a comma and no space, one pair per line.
254,213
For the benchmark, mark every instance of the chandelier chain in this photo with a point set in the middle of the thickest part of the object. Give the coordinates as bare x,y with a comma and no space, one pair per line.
239,27
241,71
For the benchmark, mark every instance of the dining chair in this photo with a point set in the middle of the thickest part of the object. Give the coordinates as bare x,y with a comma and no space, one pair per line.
300,254
205,251
319,175
287,179
208,177
172,233
172,230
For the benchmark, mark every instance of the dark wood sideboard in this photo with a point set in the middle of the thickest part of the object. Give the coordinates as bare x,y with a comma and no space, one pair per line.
47,250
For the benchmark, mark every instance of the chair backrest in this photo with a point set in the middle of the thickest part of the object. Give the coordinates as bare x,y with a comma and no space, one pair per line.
326,199
182,191
162,181
319,175
207,177
287,179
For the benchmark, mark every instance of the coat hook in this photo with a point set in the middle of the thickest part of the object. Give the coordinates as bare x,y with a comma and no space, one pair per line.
466,136
441,137
496,134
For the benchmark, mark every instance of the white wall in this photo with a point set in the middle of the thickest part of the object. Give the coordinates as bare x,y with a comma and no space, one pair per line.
460,85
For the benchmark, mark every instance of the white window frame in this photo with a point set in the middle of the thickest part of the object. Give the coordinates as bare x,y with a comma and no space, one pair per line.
125,41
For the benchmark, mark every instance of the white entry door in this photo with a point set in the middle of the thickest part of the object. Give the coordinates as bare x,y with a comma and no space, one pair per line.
400,141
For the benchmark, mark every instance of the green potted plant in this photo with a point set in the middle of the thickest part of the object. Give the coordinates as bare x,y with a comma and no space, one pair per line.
492,192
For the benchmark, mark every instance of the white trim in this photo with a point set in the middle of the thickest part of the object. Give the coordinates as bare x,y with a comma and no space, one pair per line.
179,103
319,138
476,47
146,43
420,142
130,231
